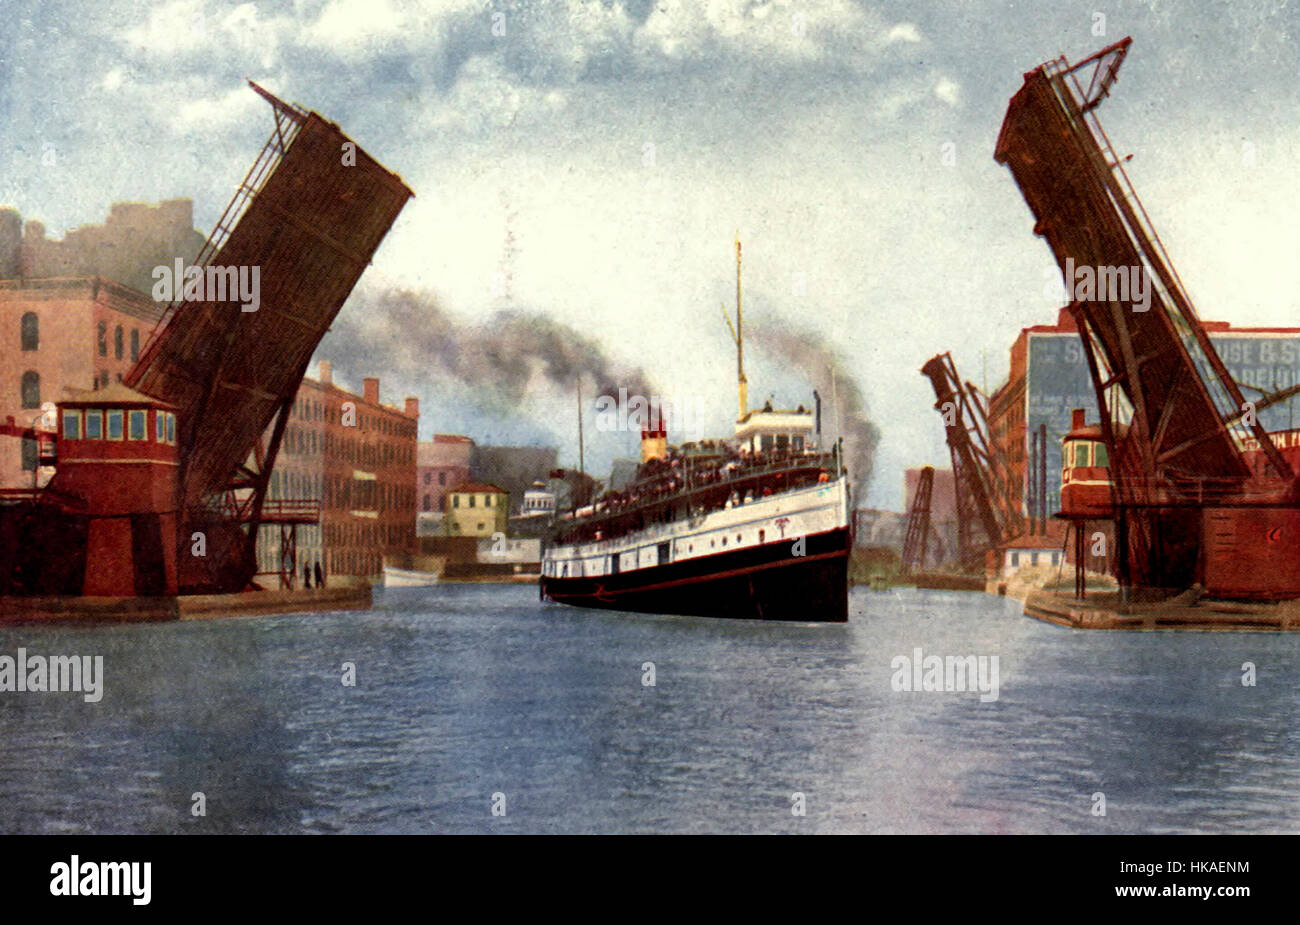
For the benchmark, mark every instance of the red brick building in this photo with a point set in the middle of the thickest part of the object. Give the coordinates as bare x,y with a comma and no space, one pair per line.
443,463
358,457
57,336
1049,378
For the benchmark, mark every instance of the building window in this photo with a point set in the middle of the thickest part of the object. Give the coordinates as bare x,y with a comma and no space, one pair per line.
171,427
117,342
135,344
31,389
428,503
455,500
487,500
94,425
71,425
442,478
428,477
114,425
160,426
30,331
102,338
30,451
137,421
1015,559
472,499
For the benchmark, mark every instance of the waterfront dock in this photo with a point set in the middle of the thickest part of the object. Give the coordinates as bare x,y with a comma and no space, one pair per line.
1187,611
164,609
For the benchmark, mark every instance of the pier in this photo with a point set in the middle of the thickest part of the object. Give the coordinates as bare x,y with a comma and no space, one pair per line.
87,610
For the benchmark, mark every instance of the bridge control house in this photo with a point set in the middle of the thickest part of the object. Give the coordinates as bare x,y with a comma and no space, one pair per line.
117,453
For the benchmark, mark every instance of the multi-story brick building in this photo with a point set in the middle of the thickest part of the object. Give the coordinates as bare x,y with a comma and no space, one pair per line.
358,457
443,463
75,313
61,335
1049,379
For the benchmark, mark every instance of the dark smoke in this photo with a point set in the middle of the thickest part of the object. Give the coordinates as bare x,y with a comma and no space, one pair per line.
823,366
409,336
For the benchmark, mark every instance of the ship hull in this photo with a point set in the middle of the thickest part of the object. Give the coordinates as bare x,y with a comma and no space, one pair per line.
766,582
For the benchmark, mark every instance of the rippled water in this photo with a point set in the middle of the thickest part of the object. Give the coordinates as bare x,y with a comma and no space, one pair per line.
467,691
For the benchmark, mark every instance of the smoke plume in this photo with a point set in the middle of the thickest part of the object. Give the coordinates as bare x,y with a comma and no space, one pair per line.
843,406
502,359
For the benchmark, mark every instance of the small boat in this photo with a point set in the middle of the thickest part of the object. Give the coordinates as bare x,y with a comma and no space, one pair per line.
408,578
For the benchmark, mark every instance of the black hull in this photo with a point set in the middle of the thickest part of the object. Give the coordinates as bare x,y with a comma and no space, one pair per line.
760,583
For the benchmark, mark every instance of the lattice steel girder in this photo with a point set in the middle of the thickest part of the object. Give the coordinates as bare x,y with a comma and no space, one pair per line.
1086,208
310,215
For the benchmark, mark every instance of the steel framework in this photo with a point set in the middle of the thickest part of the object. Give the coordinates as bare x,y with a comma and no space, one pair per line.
917,540
983,521
308,216
1174,420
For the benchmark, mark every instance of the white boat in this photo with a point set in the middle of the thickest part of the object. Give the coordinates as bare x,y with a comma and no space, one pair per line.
408,578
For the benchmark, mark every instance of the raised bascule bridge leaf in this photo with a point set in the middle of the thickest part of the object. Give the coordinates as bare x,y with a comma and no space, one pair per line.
1181,435
307,218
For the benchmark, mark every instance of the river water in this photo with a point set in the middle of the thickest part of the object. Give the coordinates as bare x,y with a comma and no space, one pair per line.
466,692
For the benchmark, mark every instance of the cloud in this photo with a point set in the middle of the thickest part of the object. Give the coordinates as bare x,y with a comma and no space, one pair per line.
904,32
948,91
772,33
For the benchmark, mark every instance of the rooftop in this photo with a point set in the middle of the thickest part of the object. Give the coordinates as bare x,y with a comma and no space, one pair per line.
481,488
114,394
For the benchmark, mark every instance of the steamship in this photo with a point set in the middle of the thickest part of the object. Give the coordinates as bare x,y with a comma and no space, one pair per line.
755,526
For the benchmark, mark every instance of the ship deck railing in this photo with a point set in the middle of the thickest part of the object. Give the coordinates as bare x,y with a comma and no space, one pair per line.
721,484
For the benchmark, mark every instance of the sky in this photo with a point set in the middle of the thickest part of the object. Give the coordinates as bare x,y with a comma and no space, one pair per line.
581,169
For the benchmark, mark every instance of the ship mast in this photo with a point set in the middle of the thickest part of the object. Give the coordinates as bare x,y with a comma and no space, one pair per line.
738,335
742,384
581,461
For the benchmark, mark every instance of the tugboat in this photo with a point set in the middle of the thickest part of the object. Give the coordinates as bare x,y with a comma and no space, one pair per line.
756,526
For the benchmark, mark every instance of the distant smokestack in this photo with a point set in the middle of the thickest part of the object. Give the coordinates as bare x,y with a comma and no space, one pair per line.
654,439
370,390
1078,418
326,373
412,406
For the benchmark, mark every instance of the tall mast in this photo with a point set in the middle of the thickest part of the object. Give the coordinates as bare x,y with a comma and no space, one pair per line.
581,466
742,383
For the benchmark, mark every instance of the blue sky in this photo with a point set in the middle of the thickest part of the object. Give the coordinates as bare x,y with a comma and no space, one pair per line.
600,157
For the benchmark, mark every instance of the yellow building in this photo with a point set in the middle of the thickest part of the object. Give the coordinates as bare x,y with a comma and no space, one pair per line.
476,509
